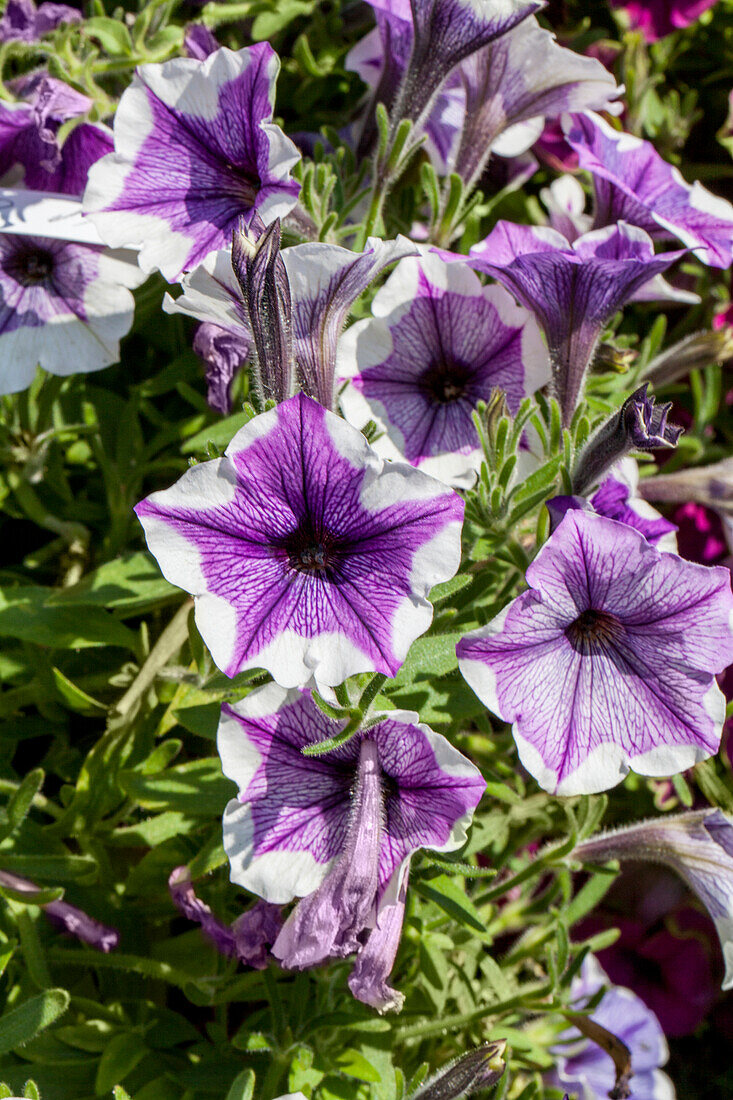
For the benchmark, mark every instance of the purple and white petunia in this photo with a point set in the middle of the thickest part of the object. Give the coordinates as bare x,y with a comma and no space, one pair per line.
338,830
324,281
512,85
632,182
607,662
195,149
307,554
24,22
583,1066
30,152
617,497
697,845
572,289
63,306
438,343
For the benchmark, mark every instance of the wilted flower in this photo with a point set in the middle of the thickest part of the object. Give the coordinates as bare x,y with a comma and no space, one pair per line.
24,22
572,289
308,556
438,343
224,352
607,662
694,352
585,1066
69,918
338,830
697,845
195,149
632,182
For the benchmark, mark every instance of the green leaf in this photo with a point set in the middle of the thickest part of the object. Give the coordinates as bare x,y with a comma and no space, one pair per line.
588,897
197,787
130,584
220,433
434,656
446,893
354,1064
111,33
21,802
268,23
74,697
23,1023
25,614
243,1086
57,868
119,1058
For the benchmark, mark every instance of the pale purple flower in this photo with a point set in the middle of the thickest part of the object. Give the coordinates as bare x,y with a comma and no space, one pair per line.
607,662
338,830
224,352
512,85
697,845
199,42
195,149
307,554
30,152
69,918
572,289
657,18
438,343
247,939
63,306
323,282
585,1069
618,497
23,21
632,182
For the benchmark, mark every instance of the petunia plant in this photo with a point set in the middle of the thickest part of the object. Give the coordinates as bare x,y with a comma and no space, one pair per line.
366,614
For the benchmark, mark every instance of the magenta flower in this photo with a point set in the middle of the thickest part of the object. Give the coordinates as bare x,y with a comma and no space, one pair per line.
656,18
607,662
338,830
633,183
438,343
195,149
307,555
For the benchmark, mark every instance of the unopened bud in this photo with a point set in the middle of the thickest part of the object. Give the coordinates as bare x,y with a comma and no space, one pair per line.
478,1069
693,353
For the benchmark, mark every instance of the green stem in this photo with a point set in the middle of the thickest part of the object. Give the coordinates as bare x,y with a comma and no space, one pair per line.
320,747
465,1019
276,1005
371,691
168,644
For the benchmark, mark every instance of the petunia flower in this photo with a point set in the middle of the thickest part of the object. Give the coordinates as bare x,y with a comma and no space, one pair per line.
657,18
572,289
30,152
584,1068
697,845
307,555
438,343
195,149
607,662
24,22
512,85
323,282
338,830
63,306
618,497
632,182
68,918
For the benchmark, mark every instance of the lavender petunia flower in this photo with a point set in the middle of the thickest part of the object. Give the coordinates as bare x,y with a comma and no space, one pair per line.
23,21
246,940
224,352
67,917
195,149
199,42
632,182
584,1066
607,662
29,147
338,830
572,289
63,306
657,18
618,497
697,845
438,343
308,556
512,85
323,281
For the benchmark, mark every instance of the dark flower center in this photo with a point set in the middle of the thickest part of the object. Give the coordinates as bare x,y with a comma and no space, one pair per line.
247,183
310,551
445,382
30,267
593,630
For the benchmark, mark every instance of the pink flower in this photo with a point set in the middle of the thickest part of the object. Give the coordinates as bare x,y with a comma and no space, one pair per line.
655,18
